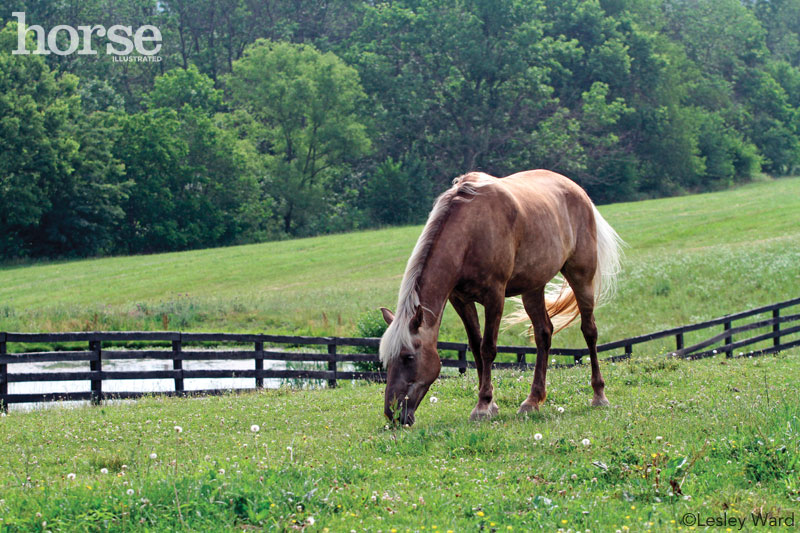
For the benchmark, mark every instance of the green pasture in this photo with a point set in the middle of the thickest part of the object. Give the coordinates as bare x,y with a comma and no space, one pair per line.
706,439
709,438
688,259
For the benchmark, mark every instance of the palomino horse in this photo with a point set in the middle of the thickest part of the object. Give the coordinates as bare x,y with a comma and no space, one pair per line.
488,238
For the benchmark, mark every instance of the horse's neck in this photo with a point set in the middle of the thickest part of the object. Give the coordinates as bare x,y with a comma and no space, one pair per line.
438,280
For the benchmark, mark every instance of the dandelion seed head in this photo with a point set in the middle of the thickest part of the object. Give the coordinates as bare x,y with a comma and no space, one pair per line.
255,428
178,429
104,470
586,442
538,436
154,456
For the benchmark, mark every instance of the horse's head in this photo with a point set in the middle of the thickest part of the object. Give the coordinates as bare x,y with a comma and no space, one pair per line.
408,350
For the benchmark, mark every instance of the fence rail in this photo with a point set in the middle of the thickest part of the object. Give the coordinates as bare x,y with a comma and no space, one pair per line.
783,330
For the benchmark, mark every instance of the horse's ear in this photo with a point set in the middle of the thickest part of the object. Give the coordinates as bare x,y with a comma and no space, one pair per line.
417,320
388,316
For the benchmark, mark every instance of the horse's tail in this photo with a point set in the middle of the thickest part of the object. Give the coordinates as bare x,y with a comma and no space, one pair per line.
560,301
609,259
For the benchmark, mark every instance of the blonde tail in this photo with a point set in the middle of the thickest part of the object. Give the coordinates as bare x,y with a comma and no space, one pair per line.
562,307
609,260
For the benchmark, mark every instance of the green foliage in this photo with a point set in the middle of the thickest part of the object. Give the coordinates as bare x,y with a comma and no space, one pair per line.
397,192
370,324
330,118
306,108
190,181
180,87
60,187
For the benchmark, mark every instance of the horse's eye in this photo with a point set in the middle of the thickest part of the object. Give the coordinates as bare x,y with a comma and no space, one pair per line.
408,357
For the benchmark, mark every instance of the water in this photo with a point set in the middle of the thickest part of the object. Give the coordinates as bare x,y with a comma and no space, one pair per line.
134,385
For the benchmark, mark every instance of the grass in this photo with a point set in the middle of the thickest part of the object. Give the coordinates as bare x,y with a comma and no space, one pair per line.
724,432
689,258
708,438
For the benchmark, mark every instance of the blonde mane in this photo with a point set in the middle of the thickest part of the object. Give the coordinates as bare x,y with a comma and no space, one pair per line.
398,334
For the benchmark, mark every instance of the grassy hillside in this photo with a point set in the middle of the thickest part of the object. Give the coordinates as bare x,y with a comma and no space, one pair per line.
689,258
725,433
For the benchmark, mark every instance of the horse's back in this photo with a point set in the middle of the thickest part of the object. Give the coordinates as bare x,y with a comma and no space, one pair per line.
554,217
543,185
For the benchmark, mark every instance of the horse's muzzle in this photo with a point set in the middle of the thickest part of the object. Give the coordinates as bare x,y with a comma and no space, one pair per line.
405,417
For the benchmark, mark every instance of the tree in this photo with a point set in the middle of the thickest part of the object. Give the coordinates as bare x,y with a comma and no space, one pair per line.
192,182
189,86
461,85
60,186
307,123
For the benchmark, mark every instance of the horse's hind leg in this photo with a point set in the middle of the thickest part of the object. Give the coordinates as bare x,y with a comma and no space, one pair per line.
584,294
543,334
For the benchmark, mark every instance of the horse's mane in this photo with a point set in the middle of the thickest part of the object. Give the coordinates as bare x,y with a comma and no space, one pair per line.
398,334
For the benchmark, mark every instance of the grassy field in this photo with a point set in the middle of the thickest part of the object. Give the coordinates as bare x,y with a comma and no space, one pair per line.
682,440
688,259
709,439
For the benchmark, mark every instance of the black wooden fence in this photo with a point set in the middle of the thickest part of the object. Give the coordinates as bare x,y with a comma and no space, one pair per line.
332,354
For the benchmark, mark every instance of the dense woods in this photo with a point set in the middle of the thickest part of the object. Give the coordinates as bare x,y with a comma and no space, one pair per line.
268,119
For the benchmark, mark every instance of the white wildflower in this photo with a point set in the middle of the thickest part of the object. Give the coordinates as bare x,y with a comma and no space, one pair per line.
153,456
71,476
255,428
178,429
538,436
586,442
434,399
104,470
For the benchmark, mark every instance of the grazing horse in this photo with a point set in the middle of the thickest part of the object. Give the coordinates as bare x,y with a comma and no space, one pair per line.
486,239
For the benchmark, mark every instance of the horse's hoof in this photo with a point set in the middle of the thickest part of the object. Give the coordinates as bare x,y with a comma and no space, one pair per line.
527,407
600,401
484,412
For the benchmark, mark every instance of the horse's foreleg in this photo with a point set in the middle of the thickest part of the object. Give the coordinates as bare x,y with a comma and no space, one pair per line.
469,316
543,334
486,407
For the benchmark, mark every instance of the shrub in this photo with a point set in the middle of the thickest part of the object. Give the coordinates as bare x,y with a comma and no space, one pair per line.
370,324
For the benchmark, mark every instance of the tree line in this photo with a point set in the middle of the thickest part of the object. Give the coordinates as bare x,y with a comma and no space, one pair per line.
265,119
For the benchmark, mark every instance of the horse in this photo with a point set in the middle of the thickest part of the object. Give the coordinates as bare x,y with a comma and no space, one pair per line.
486,239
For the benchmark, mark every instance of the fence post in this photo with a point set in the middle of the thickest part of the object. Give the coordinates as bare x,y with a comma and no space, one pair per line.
679,341
462,358
259,364
332,365
177,364
728,340
3,376
776,327
96,366
521,359
628,351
